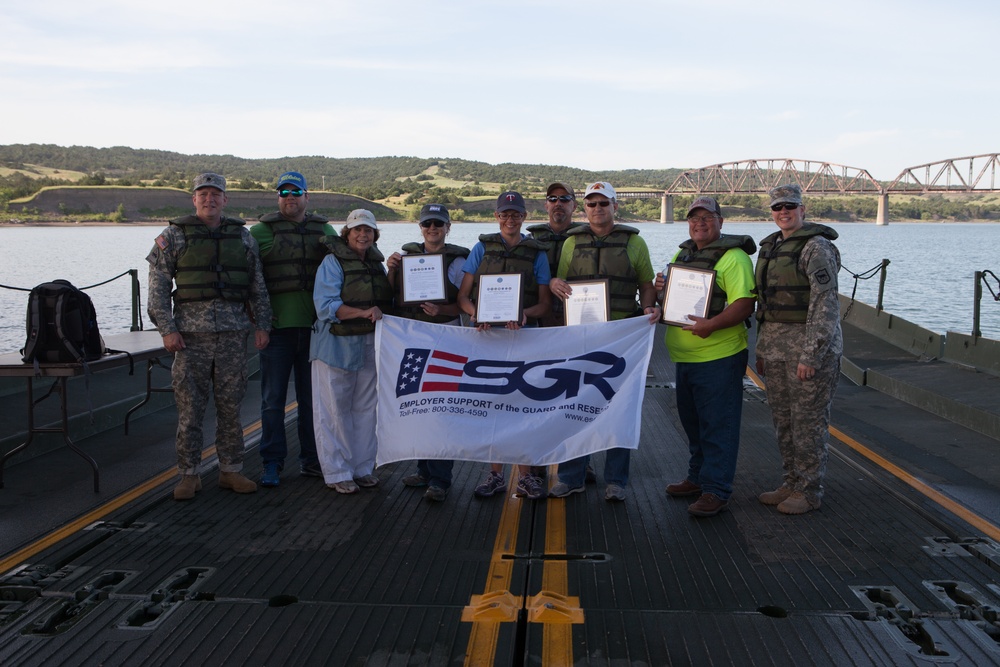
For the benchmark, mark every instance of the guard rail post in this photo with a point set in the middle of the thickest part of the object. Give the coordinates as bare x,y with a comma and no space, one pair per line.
135,299
976,301
881,285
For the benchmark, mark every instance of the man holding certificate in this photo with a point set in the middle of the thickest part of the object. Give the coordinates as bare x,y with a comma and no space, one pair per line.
512,258
603,250
710,356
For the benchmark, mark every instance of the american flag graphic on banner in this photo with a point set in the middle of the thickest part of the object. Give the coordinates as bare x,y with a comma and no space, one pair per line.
428,370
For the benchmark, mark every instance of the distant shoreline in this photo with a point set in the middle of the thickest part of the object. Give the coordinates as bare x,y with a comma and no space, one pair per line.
162,223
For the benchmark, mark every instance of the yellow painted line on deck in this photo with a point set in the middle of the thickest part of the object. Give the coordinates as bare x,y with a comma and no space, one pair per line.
557,638
956,508
483,639
99,513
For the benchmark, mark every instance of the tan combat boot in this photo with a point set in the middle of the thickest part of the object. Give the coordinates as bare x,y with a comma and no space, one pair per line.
187,487
775,497
237,482
797,503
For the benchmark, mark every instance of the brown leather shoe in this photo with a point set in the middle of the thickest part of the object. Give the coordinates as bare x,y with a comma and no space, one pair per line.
187,487
797,503
685,488
708,504
237,482
775,497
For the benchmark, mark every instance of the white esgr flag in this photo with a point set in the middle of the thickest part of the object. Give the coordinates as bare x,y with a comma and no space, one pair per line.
534,396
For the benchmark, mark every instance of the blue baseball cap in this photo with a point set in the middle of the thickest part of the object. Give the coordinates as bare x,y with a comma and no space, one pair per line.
293,178
510,201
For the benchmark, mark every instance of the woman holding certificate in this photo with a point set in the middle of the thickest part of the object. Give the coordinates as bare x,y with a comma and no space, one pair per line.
494,264
426,278
351,293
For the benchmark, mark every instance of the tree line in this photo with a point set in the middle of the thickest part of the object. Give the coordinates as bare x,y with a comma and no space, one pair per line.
410,182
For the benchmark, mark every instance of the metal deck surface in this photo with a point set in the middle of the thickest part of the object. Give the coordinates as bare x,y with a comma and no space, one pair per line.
300,575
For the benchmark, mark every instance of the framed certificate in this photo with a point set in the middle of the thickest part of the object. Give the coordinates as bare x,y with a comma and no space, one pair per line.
424,278
588,303
686,291
500,298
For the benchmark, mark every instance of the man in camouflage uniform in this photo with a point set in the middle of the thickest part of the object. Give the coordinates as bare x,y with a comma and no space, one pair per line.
215,263
799,345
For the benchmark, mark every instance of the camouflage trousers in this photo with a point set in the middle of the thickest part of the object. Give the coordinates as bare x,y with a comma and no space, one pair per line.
215,361
801,414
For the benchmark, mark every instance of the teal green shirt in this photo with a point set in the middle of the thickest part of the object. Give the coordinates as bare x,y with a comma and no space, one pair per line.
290,309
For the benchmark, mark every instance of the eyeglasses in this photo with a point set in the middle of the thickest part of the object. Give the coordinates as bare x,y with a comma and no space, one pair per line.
562,198
294,193
426,224
603,203
704,219
788,206
508,216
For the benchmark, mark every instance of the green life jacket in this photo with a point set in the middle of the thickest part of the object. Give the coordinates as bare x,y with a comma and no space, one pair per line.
295,255
709,256
365,285
782,289
413,311
553,240
214,262
599,258
498,258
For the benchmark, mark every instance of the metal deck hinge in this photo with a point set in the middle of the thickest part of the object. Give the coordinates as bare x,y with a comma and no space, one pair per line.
495,607
549,607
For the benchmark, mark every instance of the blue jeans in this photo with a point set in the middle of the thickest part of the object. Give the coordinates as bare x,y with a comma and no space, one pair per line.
710,406
616,464
287,351
437,472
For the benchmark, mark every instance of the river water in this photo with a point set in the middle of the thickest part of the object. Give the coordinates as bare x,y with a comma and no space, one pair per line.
924,286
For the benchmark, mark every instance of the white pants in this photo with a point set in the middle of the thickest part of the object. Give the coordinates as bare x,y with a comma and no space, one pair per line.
344,419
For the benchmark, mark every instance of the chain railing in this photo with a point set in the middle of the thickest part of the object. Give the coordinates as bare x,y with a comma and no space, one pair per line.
870,273
137,323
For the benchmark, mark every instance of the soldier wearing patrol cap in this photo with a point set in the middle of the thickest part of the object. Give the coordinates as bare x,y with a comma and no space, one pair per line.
205,322
799,345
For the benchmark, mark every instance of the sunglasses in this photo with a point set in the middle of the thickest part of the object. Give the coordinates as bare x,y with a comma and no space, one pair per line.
788,206
603,203
507,215
293,193
426,224
562,198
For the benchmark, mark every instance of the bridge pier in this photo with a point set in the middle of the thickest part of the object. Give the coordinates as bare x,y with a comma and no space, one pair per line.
882,215
666,209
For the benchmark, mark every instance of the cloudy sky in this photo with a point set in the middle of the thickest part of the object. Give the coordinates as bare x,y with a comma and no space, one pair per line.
880,85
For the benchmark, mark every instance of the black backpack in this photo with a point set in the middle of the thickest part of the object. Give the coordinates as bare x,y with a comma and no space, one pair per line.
62,325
